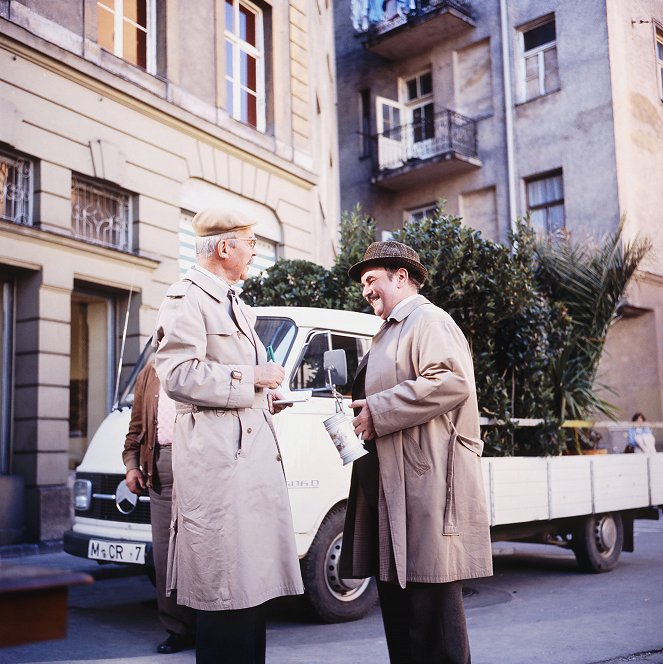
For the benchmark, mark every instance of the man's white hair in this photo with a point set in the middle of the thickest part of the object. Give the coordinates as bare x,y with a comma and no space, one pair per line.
206,246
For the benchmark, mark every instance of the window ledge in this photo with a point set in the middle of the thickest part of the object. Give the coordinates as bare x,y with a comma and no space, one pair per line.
51,236
543,96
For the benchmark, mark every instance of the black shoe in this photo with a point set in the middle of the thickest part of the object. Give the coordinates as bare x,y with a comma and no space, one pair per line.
175,643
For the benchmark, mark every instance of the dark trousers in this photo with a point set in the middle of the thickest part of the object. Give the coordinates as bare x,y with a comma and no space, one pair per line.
174,617
424,623
231,637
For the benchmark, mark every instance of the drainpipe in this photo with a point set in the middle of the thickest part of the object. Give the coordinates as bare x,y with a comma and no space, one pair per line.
508,115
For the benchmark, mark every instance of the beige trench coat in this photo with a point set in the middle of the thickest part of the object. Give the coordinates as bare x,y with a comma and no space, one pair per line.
232,538
432,510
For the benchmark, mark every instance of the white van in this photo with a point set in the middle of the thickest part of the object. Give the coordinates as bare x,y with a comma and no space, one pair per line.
109,528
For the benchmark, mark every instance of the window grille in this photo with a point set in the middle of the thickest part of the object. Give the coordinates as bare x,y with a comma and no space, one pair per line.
100,215
16,185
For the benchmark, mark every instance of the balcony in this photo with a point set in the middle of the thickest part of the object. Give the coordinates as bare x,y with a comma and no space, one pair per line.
401,28
436,147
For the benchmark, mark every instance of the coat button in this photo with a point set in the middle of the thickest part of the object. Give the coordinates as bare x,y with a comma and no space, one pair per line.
249,430
278,457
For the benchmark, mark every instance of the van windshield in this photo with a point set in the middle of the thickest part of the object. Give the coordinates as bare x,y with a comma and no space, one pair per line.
279,333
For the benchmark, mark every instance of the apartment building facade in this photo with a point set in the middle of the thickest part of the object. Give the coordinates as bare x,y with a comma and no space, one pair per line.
120,120
508,107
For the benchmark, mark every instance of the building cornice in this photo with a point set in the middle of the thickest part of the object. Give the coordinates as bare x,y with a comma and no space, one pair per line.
50,239
73,67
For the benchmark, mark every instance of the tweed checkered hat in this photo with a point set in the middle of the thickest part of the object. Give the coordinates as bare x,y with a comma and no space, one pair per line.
390,254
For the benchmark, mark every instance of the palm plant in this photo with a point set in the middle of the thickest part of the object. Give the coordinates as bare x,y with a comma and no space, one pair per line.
588,281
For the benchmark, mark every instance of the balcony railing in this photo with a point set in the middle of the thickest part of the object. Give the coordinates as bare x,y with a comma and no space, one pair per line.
378,17
445,133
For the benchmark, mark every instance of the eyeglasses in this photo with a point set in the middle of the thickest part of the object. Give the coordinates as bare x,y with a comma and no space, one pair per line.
251,240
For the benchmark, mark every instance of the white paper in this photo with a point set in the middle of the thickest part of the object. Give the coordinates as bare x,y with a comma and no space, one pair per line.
294,397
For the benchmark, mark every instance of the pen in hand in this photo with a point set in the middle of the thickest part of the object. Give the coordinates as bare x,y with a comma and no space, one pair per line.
270,354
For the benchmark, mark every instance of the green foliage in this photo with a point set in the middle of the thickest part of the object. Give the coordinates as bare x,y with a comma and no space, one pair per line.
294,283
588,281
536,316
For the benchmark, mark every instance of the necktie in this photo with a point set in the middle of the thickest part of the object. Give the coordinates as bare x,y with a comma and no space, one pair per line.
239,317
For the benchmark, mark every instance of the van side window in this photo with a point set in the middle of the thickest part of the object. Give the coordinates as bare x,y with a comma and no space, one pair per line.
310,374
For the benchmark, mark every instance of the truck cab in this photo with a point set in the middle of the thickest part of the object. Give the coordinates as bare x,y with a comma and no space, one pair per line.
113,525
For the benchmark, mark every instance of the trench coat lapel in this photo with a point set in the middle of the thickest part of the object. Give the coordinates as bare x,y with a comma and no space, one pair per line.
222,295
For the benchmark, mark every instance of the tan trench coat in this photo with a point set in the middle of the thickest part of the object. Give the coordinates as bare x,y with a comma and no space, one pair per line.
232,539
420,388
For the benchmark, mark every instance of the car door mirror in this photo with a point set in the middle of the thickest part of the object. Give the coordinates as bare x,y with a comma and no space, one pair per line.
336,367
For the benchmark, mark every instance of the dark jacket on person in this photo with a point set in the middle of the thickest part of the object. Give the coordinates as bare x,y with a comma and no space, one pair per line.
140,445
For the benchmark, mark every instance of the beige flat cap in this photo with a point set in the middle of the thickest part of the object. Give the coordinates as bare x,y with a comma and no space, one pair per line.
214,221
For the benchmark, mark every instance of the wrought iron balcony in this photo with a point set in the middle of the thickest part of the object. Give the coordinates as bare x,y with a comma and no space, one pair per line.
397,29
438,145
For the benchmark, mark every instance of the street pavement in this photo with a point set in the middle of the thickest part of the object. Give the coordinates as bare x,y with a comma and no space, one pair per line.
537,609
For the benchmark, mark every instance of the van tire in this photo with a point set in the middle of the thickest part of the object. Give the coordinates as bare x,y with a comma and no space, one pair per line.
598,541
331,598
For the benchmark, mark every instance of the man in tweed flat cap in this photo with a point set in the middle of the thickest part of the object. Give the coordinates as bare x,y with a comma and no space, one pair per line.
416,517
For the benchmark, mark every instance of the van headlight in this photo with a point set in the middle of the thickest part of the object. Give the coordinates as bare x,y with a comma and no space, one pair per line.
82,495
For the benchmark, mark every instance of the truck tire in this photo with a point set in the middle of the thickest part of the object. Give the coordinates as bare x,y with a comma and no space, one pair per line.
332,598
598,541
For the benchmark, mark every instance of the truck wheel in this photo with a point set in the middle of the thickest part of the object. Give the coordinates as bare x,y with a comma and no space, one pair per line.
598,542
332,598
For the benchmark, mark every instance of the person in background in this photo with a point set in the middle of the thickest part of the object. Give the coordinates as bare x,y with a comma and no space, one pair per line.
232,542
147,459
417,518
639,438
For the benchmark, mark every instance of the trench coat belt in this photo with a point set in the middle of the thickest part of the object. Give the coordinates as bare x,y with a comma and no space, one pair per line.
259,403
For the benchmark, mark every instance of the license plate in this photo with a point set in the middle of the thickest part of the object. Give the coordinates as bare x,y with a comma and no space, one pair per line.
117,552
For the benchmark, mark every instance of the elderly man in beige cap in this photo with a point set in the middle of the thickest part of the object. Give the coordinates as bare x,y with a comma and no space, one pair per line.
416,516
232,544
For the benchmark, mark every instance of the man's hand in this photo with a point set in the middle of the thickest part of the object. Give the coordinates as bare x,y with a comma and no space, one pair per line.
135,480
363,423
268,375
275,408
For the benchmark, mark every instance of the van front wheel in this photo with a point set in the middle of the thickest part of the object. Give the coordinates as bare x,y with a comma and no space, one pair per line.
333,598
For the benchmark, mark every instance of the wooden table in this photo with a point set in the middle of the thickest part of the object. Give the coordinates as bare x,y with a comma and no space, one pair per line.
33,602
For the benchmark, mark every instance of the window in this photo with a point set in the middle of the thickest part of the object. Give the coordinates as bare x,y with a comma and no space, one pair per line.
126,28
417,214
16,185
659,60
545,203
541,74
100,214
245,76
419,99
365,123
310,374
